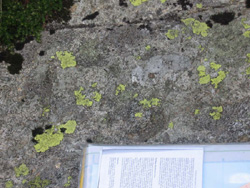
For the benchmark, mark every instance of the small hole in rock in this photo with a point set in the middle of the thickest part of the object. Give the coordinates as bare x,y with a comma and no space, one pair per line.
48,127
20,45
37,131
185,4
52,31
14,59
123,3
247,3
41,53
89,140
209,23
91,16
23,100
223,18
63,130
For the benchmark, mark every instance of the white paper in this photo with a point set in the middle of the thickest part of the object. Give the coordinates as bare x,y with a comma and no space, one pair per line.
157,169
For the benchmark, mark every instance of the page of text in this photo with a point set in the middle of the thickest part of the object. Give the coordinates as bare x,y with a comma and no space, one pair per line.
157,169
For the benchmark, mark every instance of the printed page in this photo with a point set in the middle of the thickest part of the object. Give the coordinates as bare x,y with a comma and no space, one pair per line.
147,169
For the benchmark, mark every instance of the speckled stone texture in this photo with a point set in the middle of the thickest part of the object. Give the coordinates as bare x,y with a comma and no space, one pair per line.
112,52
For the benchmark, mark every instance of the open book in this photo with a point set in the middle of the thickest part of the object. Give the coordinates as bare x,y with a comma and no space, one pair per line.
170,166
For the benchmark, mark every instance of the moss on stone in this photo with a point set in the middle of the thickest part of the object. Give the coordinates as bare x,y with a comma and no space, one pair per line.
9,184
97,97
38,183
66,58
80,98
172,33
217,114
221,76
120,88
137,2
199,28
22,170
215,66
138,114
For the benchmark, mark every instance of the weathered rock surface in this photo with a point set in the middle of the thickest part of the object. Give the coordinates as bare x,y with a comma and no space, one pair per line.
127,45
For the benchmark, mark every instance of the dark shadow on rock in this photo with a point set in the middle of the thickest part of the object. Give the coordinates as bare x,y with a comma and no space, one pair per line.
14,59
223,18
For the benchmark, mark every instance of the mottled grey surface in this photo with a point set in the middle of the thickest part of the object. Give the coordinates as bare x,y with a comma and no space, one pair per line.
112,53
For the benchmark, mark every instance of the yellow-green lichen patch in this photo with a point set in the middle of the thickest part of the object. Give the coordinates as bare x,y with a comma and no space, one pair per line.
80,98
248,71
70,126
172,33
189,38
97,97
246,34
196,112
146,103
215,66
246,26
199,5
202,48
204,79
199,28
138,114
155,102
52,57
45,110
221,76
163,1
22,170
38,183
66,58
9,184
171,125
94,85
248,58
148,47
68,182
120,88
24,181
135,95
202,70
217,114
137,2
149,103
48,139
138,57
